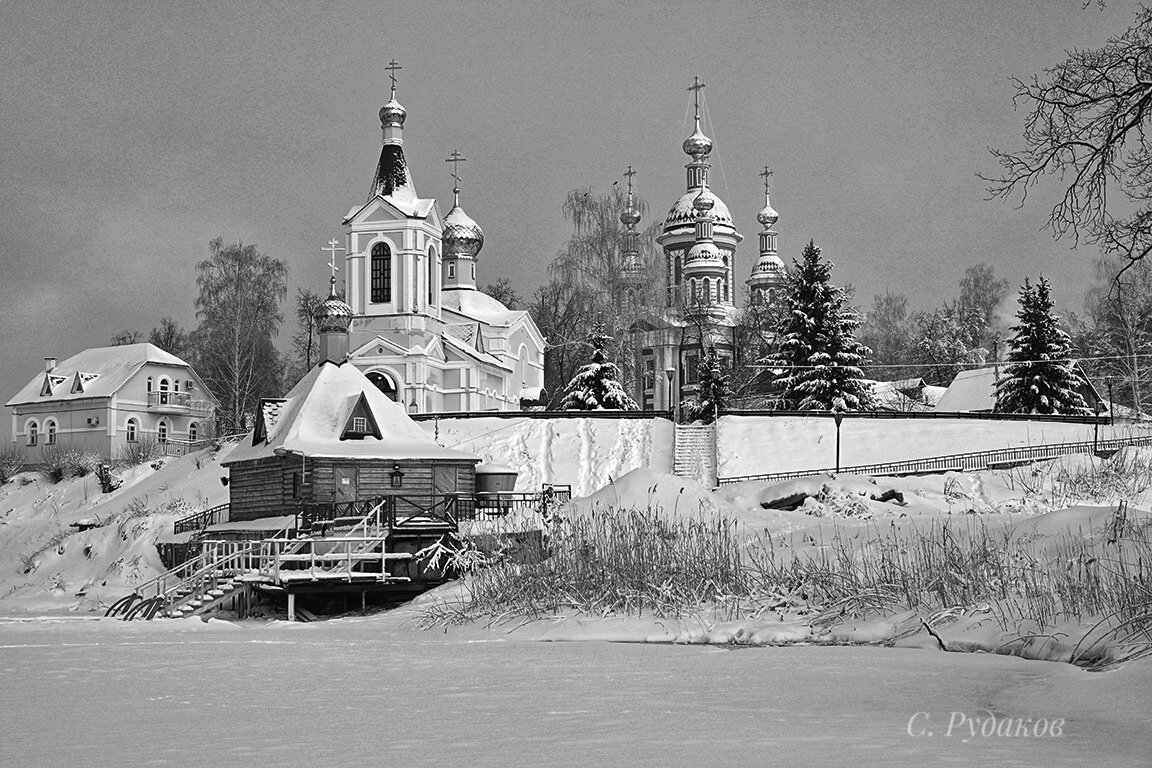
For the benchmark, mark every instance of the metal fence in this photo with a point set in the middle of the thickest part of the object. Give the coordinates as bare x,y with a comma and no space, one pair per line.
979,415
957,461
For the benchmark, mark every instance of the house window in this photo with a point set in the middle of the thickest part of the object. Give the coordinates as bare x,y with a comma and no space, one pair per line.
162,431
692,368
381,273
193,431
176,385
473,270
148,385
50,432
360,425
163,391
131,430
33,433
432,276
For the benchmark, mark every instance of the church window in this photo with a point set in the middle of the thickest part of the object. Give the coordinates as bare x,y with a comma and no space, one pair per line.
771,296
131,430
432,276
162,431
193,431
384,384
678,267
50,432
381,273
33,433
451,270
692,368
707,290
148,385
473,270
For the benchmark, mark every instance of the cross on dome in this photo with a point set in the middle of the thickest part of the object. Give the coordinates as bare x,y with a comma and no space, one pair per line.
392,67
766,174
332,248
456,158
696,87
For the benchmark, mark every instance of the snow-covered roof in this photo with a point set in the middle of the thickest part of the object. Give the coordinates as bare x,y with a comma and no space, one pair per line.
975,390
101,372
682,214
313,416
478,306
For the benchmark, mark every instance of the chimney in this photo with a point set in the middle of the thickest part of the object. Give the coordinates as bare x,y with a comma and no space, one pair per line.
49,364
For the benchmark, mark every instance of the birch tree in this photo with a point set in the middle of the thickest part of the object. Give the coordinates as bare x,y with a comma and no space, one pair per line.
238,309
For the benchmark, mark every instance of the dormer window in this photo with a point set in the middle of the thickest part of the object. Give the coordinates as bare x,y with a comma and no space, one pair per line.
359,425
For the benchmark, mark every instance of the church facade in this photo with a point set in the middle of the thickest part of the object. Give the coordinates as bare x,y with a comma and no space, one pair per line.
421,330
699,309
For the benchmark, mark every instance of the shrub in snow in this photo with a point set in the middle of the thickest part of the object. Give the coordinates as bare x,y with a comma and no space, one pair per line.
60,463
139,452
596,386
819,353
1039,377
11,462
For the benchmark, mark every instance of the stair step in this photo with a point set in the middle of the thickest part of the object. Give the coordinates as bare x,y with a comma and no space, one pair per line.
216,593
195,603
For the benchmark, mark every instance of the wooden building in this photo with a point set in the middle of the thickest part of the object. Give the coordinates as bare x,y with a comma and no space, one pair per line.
337,438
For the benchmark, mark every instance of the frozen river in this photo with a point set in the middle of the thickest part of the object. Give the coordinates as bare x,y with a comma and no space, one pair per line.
359,692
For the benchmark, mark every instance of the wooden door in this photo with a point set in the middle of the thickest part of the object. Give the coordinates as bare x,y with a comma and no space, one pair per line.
443,480
345,480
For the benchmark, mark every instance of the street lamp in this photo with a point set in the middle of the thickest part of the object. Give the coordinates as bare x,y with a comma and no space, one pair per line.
838,417
670,372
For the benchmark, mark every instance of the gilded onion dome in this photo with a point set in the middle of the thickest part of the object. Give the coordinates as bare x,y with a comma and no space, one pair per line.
767,216
697,145
462,236
333,314
630,217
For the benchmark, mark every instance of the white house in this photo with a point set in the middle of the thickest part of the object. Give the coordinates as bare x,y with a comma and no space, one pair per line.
104,398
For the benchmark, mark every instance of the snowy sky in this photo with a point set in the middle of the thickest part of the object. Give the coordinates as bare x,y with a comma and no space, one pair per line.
131,134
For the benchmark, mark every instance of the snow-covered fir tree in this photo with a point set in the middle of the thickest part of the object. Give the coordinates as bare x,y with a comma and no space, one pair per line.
711,392
1039,377
819,355
596,386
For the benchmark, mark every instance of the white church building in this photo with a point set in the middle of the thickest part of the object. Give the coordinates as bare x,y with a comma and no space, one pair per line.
421,330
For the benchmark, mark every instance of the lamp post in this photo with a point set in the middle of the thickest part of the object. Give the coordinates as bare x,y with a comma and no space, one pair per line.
838,417
1096,429
670,372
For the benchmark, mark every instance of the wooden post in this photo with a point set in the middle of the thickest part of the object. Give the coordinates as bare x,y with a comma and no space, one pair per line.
363,602
291,607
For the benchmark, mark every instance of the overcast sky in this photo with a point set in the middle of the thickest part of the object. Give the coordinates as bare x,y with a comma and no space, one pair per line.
131,134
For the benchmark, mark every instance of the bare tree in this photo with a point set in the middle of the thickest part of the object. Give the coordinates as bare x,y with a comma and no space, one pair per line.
304,341
125,337
1087,126
170,337
503,291
238,307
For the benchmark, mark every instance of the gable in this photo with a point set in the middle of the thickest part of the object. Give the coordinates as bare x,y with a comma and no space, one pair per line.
267,417
361,422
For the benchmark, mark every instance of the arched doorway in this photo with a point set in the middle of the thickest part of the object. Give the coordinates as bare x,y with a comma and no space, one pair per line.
384,384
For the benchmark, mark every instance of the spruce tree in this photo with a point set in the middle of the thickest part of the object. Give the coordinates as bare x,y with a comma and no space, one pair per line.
1039,377
711,392
596,386
819,354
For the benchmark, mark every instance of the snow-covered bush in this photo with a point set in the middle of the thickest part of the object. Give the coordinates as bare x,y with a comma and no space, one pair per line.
59,463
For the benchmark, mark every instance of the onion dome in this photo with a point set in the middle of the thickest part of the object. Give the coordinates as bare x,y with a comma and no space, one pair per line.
333,314
704,202
392,113
462,236
697,145
630,217
767,216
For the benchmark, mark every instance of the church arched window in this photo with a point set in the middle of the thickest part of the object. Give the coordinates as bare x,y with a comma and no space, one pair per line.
451,270
381,273
707,290
693,294
431,276
384,384
131,430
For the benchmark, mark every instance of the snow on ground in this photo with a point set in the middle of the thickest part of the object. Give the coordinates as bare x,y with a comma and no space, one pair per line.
355,691
47,564
752,445
583,453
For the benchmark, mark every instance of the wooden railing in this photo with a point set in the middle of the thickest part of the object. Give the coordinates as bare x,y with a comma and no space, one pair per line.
198,521
409,510
957,461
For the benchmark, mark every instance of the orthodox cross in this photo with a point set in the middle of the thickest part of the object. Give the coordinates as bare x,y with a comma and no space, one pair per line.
456,158
333,246
392,67
696,87
630,173
766,174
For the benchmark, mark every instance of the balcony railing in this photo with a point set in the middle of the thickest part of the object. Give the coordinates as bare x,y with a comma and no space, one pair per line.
177,402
